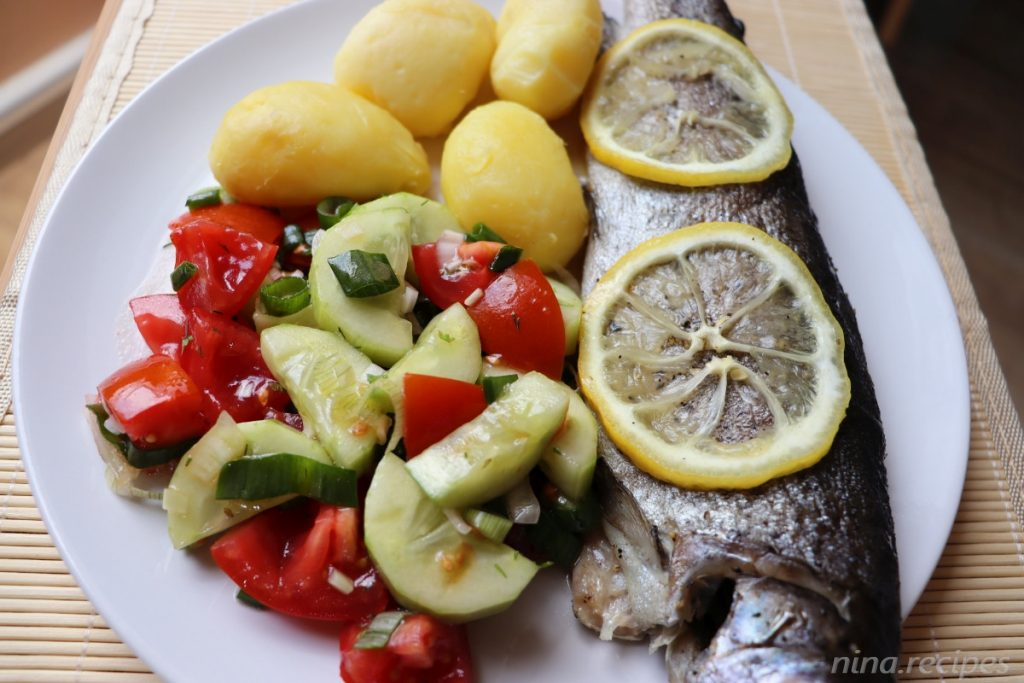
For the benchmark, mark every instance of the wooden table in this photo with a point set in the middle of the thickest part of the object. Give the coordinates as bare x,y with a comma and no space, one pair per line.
974,605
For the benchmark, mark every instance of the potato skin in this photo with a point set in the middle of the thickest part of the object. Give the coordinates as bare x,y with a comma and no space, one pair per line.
422,60
502,165
295,143
546,51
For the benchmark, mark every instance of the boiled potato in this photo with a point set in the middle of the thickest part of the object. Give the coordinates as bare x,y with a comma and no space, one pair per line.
503,166
422,60
546,51
295,143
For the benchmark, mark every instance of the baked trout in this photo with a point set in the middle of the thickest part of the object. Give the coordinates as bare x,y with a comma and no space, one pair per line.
768,584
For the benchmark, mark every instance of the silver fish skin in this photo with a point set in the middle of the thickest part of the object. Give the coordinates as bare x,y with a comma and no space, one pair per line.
778,583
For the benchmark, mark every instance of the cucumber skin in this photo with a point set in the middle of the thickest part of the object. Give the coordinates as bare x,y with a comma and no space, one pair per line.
299,356
373,325
491,453
572,314
405,533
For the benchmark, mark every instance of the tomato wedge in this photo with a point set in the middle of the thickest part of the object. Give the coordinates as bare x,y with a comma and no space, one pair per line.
264,225
435,407
161,321
449,283
282,558
155,401
231,266
223,358
421,650
519,319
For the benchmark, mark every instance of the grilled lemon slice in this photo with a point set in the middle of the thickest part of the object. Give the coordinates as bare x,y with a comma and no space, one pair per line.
683,102
712,358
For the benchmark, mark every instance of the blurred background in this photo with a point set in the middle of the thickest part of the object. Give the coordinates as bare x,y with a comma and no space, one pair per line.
959,64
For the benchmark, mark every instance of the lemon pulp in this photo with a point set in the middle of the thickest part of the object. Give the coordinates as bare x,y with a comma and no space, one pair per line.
712,358
683,102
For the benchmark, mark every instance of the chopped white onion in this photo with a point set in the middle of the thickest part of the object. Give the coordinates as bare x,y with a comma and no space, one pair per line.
461,525
474,296
523,506
340,581
113,425
448,246
409,296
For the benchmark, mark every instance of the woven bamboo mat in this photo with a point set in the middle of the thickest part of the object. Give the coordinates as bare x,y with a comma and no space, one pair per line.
974,605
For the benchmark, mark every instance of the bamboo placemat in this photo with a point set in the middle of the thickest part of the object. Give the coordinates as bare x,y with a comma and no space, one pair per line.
974,605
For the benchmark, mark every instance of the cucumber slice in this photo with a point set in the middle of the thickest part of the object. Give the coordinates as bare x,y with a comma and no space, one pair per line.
491,453
428,565
193,511
448,347
570,458
572,312
373,325
429,218
262,320
324,378
265,437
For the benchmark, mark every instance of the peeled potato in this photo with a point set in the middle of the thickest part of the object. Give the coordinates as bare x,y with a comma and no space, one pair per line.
503,166
295,143
422,60
546,51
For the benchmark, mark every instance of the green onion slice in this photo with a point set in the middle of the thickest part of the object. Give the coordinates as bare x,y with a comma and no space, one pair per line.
378,633
267,476
553,540
495,386
285,296
332,210
248,600
363,274
208,196
481,233
493,527
506,257
182,274
137,457
291,239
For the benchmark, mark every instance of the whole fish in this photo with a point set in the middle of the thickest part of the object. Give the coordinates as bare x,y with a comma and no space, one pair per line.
778,583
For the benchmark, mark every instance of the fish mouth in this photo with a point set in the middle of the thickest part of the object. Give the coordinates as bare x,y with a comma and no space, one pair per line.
724,610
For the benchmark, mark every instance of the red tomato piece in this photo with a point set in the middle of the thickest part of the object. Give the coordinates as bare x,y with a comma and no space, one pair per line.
421,650
264,225
155,401
161,321
449,283
519,319
231,266
482,253
282,558
435,407
223,358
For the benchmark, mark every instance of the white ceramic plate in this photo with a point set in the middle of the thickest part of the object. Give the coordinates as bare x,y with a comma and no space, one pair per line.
173,608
